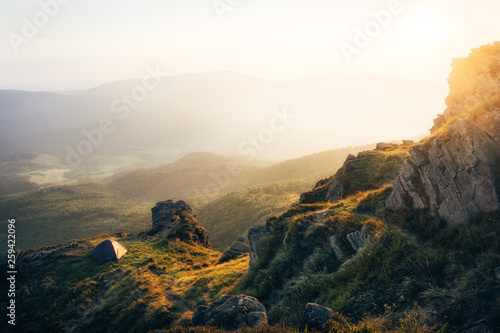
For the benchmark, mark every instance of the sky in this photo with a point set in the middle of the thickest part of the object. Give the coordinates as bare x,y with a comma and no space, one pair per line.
50,43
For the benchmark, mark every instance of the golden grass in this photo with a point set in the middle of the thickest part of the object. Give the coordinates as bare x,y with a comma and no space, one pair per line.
349,204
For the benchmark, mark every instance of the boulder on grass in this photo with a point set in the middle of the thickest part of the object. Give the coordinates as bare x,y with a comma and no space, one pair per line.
314,317
231,313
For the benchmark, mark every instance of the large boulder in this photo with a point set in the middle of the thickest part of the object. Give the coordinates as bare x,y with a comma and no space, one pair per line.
166,212
231,313
174,220
383,146
314,317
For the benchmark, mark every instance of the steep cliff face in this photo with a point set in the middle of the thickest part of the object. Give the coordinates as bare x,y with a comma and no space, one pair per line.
473,81
455,173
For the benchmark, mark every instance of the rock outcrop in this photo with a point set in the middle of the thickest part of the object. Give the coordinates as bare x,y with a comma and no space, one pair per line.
383,146
336,189
358,239
166,212
255,235
455,173
320,183
40,257
231,313
336,248
237,248
314,317
174,220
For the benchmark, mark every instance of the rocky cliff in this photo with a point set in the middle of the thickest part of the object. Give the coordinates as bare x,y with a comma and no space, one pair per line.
474,81
455,173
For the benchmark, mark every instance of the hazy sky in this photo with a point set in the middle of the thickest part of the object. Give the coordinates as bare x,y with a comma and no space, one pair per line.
98,41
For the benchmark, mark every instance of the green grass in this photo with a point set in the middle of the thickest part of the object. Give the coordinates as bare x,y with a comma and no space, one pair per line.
370,173
76,292
374,203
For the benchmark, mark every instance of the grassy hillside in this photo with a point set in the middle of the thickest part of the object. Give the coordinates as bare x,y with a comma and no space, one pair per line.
58,214
312,167
401,281
155,285
233,214
398,282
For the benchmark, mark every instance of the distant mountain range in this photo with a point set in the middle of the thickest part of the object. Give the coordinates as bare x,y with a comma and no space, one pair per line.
217,112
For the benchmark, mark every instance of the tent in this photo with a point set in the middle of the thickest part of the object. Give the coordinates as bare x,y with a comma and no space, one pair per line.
108,250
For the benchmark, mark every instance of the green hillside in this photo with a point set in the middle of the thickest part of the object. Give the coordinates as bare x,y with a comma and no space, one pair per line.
58,214
401,281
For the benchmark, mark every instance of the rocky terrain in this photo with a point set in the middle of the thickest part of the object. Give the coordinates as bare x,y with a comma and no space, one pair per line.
455,173
420,254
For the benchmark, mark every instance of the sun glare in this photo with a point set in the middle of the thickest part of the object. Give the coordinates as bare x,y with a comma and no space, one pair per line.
426,27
